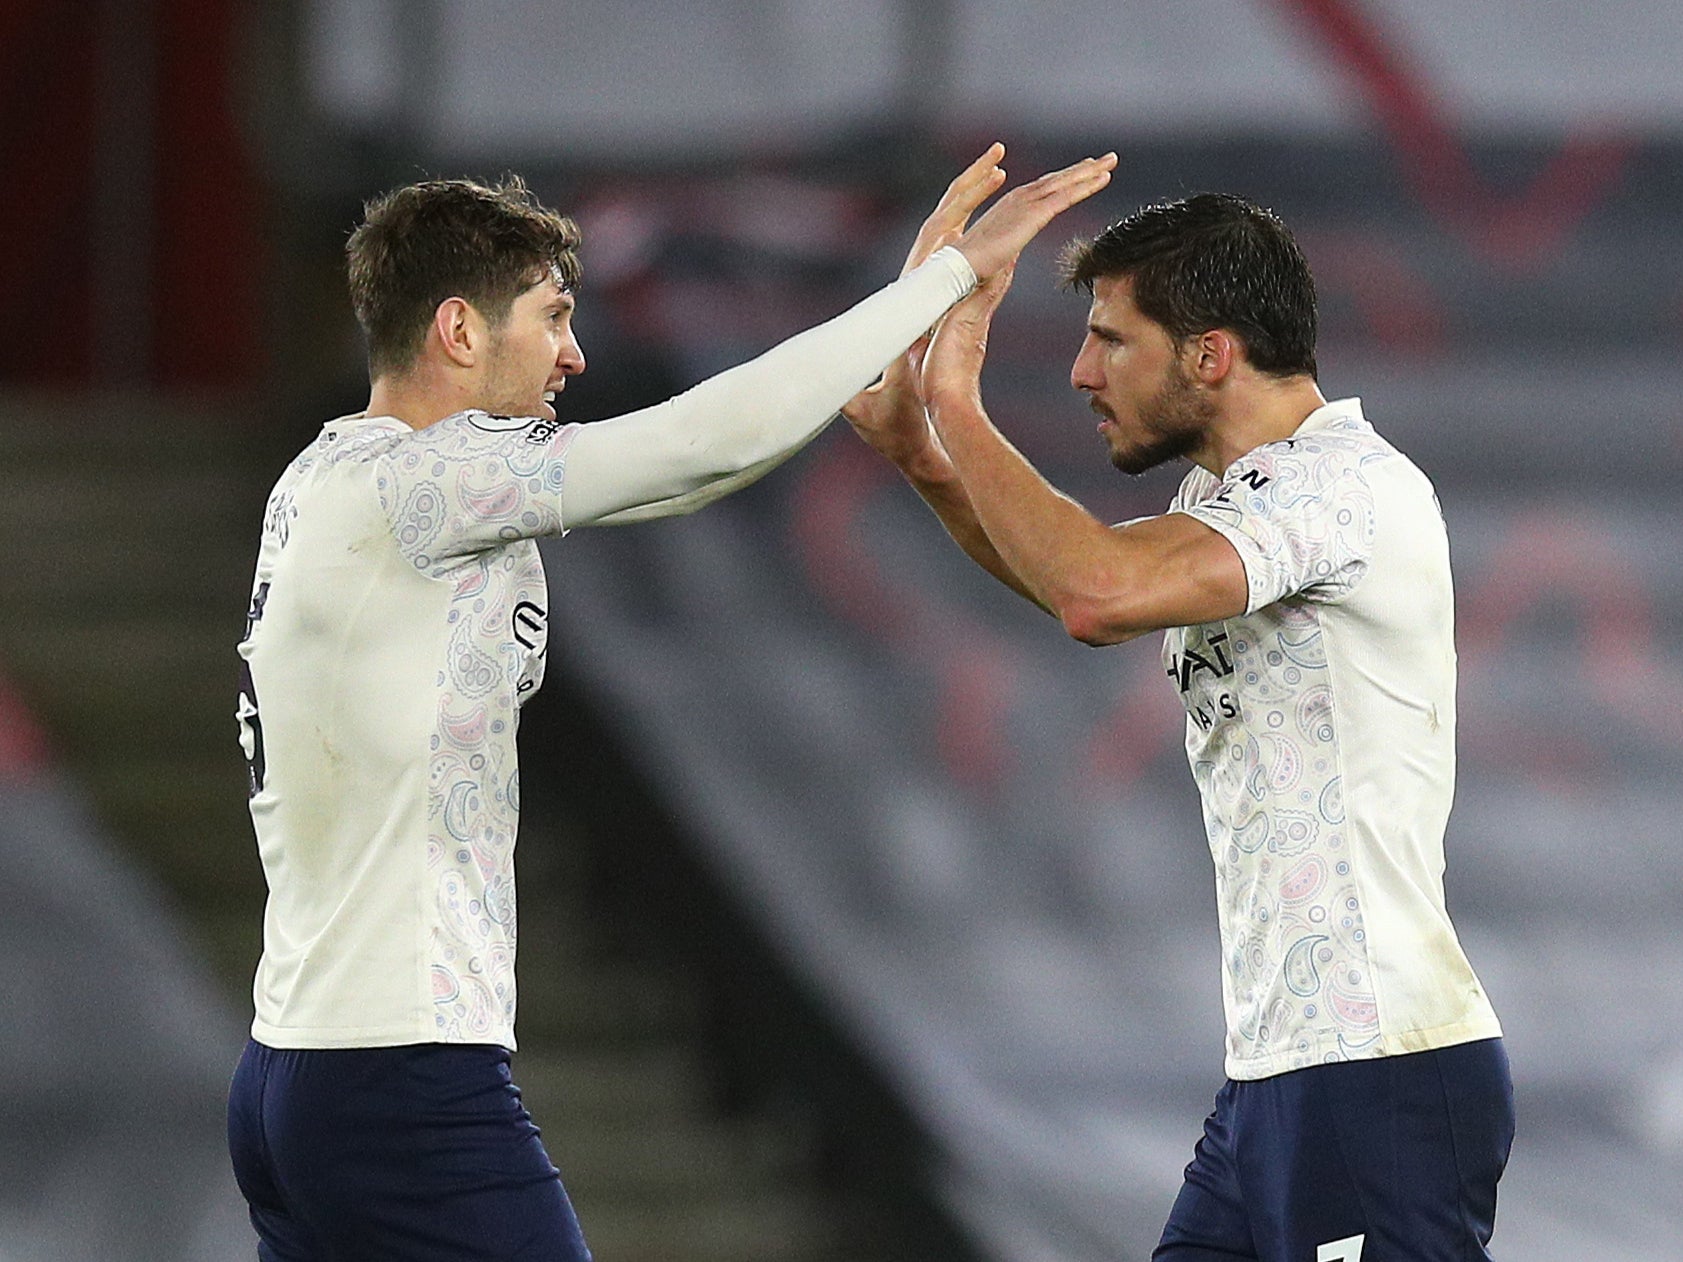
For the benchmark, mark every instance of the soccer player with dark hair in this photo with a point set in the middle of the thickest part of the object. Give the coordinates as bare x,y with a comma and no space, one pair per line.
398,623
1301,576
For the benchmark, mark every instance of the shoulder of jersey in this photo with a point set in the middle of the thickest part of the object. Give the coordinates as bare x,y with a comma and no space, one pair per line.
1357,440
537,429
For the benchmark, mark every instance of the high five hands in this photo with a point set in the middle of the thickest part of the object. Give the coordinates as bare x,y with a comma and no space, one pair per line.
998,237
890,414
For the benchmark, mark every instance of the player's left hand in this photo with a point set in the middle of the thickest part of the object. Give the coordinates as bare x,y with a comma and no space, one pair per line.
890,415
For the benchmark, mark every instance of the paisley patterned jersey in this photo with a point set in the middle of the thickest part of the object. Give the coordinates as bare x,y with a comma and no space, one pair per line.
1321,732
397,624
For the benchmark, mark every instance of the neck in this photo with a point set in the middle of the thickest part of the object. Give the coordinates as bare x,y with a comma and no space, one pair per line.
416,397
1256,409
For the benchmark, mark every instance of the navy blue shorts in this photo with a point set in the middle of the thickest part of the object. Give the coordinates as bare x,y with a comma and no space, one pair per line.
414,1153
1387,1160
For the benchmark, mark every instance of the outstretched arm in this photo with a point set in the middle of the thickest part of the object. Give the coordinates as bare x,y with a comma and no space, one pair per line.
891,417
719,436
1104,584
688,451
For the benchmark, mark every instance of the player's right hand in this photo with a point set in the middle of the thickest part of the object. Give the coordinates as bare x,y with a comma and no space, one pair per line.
889,415
998,237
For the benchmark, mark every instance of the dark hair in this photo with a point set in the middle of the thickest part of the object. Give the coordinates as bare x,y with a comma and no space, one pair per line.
423,243
1213,261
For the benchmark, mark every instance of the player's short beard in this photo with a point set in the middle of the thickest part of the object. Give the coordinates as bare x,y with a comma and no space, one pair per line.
503,393
1174,420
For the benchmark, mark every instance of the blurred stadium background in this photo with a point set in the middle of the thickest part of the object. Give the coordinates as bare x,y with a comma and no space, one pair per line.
862,914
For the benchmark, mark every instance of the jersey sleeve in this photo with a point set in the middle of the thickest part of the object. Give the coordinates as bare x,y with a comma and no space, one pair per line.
471,482
722,434
1300,516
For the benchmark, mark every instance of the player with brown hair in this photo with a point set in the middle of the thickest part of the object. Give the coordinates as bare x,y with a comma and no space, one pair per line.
397,624
1301,579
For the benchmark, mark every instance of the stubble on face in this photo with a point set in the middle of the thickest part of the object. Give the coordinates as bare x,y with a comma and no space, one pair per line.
1172,425
521,359
508,388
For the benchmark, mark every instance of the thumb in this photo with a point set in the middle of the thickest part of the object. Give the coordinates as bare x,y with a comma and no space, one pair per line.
978,309
997,284
859,407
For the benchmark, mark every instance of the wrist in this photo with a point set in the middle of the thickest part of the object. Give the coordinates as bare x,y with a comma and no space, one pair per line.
952,405
960,263
927,463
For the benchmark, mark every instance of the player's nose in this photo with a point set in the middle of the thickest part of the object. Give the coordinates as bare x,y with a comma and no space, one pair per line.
570,357
1084,373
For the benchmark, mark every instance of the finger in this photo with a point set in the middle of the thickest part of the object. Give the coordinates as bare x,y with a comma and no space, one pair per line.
1073,183
1056,191
982,174
979,307
973,186
1000,283
966,193
1011,222
995,292
1104,162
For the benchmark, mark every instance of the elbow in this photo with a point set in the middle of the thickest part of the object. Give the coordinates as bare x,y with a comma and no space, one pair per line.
1093,622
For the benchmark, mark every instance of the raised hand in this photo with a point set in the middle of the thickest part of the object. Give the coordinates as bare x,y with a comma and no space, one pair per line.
951,367
889,415
998,237
969,189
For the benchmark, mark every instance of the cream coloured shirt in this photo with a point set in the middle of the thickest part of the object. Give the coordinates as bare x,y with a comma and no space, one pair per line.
397,625
1321,733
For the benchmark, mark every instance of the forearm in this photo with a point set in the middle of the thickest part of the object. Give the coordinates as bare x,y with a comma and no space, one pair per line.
932,475
752,416
1064,558
701,496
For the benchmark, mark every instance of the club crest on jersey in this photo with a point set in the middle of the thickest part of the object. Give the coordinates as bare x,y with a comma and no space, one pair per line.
542,432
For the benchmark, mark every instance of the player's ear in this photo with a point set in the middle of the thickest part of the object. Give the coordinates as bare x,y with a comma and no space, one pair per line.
1213,355
459,330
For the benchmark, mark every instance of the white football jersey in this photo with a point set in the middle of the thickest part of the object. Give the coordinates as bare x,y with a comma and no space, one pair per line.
396,626
1321,733
398,623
